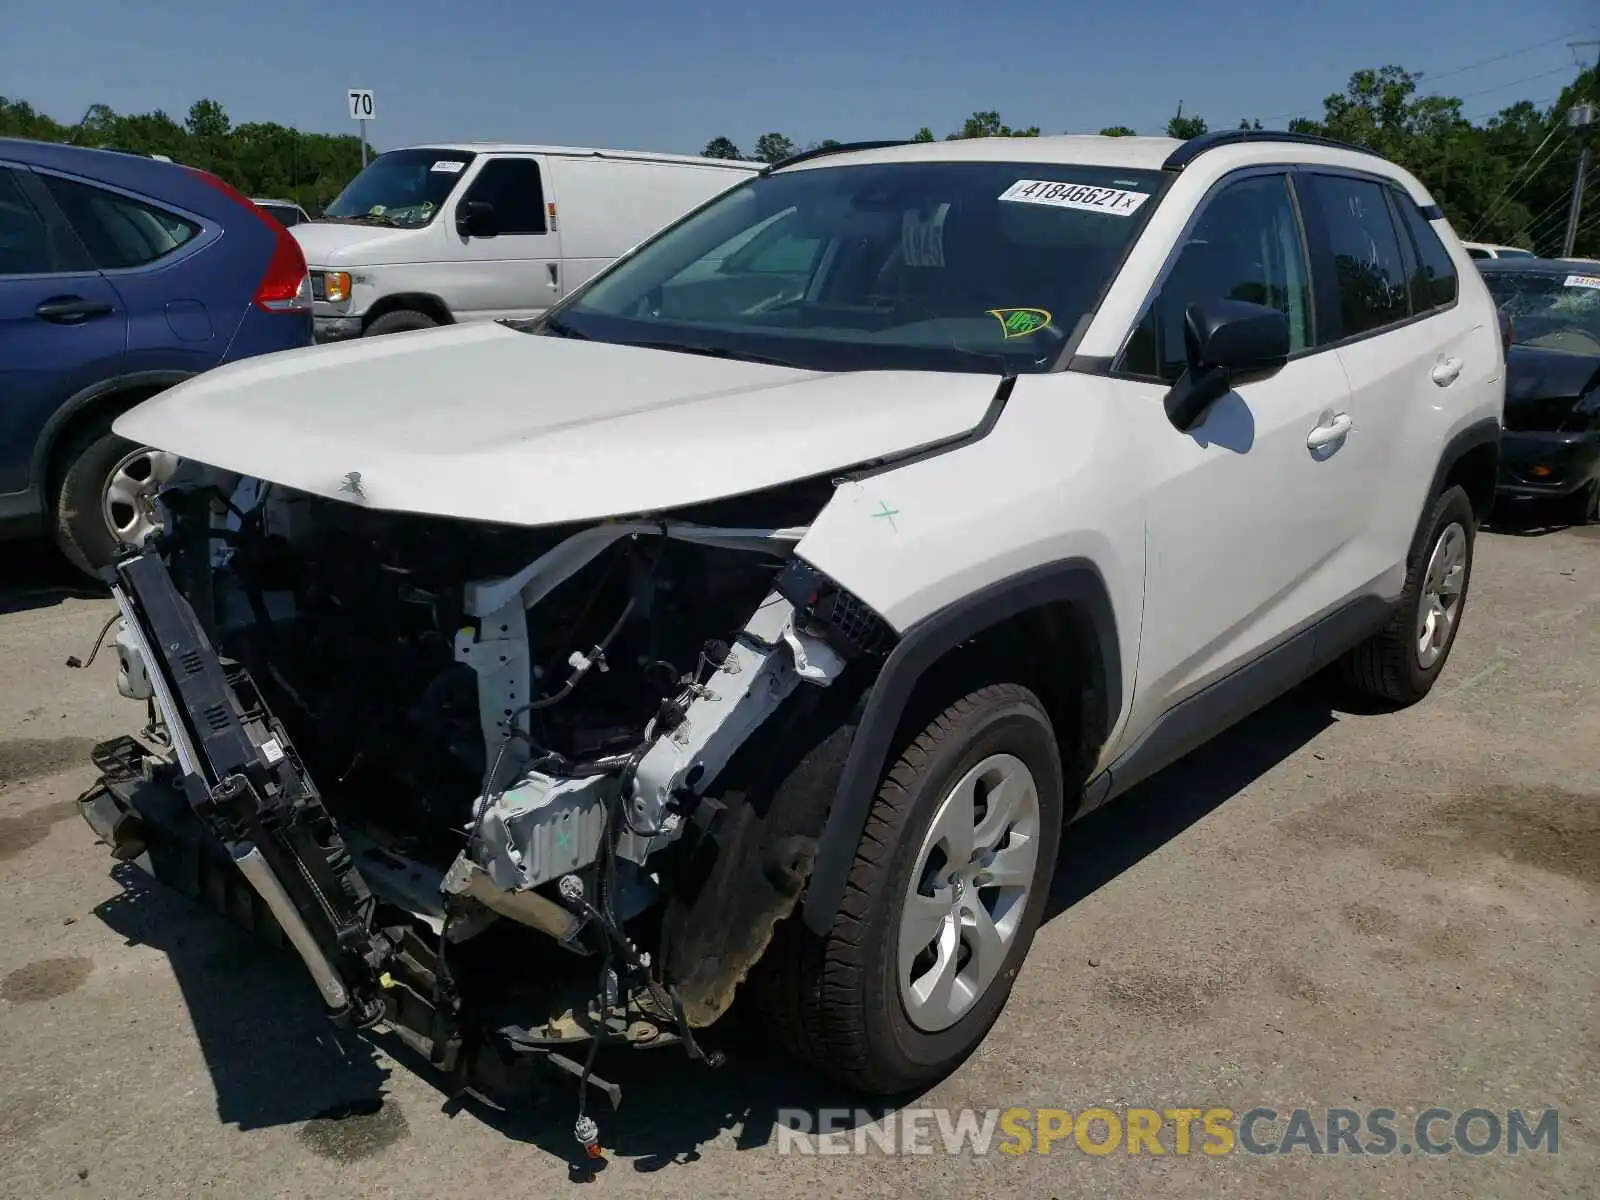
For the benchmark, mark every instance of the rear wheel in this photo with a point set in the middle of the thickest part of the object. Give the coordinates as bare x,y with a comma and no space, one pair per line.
1399,664
105,497
400,320
949,883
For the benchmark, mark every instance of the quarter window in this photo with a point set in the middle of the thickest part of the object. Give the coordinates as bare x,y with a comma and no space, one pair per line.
24,244
512,185
117,231
1435,285
1366,254
1245,246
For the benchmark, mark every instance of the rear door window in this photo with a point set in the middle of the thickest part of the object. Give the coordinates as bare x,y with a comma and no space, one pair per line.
1365,245
513,186
24,240
1435,284
118,231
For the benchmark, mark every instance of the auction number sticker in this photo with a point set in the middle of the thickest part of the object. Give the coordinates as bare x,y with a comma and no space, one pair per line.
1082,196
1588,281
449,166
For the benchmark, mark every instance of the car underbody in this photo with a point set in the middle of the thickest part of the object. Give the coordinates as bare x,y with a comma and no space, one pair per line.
503,790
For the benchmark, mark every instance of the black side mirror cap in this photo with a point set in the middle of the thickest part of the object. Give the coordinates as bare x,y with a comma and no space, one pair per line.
1224,340
475,218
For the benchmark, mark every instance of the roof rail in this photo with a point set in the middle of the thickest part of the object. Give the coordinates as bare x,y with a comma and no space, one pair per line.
1196,146
841,148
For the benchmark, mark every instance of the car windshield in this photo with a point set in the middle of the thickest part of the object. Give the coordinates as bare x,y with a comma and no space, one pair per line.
403,188
966,266
1548,310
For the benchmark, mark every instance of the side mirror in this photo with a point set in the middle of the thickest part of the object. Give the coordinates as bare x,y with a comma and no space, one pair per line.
1224,340
475,218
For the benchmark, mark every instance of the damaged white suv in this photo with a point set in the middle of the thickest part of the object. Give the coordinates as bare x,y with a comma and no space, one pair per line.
762,613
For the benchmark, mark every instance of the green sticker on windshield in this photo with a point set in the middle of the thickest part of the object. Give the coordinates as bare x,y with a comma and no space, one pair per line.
1020,322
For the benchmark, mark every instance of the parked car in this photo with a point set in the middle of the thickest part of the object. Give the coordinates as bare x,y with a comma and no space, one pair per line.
1551,447
434,235
288,213
762,624
1482,250
119,276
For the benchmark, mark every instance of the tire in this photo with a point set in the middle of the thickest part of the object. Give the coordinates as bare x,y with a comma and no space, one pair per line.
837,1001
398,321
85,467
1584,504
1392,666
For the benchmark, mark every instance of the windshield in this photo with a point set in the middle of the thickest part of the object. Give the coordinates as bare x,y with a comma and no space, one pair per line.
928,266
403,188
1553,312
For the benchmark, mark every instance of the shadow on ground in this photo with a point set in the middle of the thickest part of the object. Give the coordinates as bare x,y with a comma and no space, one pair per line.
1534,518
274,1059
34,575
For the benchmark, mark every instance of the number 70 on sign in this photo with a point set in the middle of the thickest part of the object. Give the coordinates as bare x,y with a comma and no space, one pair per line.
362,107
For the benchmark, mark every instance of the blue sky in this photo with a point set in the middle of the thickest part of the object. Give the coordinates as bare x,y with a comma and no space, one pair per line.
669,77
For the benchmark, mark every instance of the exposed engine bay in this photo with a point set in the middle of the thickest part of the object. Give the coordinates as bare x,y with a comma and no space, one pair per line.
531,787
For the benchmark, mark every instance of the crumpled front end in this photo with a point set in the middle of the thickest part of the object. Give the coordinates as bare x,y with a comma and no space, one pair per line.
495,786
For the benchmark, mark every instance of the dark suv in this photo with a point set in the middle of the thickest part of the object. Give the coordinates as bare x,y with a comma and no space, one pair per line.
119,276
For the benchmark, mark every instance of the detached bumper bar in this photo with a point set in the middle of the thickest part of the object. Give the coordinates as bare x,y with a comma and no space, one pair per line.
245,783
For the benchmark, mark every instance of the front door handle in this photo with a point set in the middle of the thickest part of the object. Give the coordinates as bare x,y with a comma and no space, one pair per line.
1447,370
1335,429
70,310
553,270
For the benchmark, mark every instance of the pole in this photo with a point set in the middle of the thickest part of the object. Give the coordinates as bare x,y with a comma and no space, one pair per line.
1579,116
363,145
1576,206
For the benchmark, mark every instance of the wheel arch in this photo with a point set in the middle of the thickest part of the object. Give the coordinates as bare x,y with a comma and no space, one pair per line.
1065,605
425,303
93,403
1470,459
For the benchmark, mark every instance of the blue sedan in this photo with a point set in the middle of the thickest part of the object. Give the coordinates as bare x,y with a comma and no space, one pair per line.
120,275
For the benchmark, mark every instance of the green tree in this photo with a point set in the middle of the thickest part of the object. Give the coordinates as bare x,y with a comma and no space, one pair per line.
721,147
923,135
1183,127
1118,131
773,147
1252,125
988,124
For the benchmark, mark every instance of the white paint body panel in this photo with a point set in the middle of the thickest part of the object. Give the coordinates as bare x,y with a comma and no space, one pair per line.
606,203
485,423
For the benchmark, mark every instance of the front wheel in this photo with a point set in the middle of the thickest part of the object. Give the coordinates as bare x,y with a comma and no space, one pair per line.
1400,663
949,883
398,321
105,498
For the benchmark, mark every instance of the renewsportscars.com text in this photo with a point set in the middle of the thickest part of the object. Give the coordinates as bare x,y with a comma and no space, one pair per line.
1209,1132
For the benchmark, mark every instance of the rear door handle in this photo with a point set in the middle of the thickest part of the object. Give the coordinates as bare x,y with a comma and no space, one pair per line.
70,310
1333,432
1447,370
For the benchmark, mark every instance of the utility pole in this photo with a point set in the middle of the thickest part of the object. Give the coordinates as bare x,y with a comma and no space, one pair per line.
1579,118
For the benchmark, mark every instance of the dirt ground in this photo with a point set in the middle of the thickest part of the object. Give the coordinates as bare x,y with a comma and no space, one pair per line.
1323,909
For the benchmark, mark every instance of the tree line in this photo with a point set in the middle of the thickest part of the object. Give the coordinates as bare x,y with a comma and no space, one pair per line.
260,158
1505,178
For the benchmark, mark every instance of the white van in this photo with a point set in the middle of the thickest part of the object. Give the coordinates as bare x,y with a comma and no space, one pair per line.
431,235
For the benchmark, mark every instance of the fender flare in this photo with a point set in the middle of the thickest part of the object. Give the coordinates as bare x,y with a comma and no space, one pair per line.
45,446
1480,433
1076,581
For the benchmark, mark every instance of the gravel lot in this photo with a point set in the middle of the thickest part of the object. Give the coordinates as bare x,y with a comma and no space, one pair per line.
1322,909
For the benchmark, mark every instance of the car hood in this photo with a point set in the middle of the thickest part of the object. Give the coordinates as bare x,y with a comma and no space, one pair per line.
337,243
485,423
1535,374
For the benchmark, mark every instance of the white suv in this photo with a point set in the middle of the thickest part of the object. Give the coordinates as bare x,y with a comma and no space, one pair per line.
765,612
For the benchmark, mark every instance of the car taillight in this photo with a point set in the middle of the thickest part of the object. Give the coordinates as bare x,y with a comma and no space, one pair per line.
286,286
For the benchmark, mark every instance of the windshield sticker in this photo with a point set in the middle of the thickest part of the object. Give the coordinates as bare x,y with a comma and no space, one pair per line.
449,166
1020,322
1119,202
922,242
1586,281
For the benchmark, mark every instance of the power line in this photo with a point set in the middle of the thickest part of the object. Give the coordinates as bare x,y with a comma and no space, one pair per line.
1500,87
1506,196
1430,78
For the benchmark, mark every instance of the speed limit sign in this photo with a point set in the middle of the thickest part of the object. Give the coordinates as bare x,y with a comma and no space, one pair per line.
361,105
